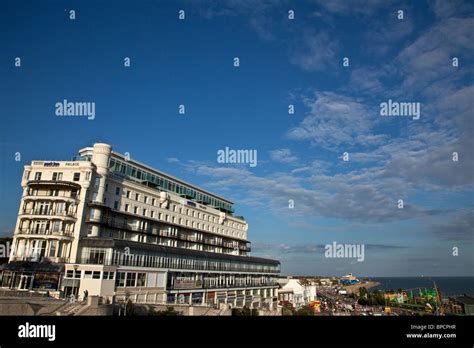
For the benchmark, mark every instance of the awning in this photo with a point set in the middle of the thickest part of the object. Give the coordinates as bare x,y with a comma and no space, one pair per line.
26,266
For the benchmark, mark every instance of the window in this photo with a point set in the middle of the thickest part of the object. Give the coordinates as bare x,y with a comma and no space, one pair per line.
144,212
152,214
37,176
152,201
57,225
88,176
108,275
128,194
106,187
126,207
96,275
70,273
88,274
131,279
57,176
97,256
117,190
96,183
145,200
116,205
135,210
77,176
120,279
137,197
141,279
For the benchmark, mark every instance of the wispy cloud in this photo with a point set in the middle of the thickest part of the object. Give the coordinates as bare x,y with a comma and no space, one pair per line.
314,51
334,120
457,227
172,160
264,247
283,156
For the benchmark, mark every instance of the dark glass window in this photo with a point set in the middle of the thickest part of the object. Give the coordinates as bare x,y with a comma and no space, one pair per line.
120,279
131,279
141,279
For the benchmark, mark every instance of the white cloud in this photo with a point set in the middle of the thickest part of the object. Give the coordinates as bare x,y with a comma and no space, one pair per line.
314,51
334,120
172,160
283,156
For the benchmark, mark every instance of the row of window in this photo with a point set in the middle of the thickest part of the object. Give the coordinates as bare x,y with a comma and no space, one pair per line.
77,274
56,176
127,169
174,208
158,260
177,220
74,193
130,279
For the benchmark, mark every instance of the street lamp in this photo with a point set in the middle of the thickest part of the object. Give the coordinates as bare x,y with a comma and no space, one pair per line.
74,282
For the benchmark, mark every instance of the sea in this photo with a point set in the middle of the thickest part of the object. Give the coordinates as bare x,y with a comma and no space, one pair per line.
448,286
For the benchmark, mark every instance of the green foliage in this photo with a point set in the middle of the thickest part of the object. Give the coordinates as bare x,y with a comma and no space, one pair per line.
169,311
129,308
245,311
305,311
363,292
375,298
288,310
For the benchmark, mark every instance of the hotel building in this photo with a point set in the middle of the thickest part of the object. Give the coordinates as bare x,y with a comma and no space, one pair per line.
122,230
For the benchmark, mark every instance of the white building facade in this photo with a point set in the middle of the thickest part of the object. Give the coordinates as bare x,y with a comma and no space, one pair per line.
293,291
120,229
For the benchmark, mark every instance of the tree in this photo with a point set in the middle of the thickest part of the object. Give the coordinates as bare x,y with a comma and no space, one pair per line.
129,308
305,311
245,311
169,311
363,292
287,310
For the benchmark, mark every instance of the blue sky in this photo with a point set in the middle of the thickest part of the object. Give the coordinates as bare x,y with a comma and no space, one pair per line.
282,62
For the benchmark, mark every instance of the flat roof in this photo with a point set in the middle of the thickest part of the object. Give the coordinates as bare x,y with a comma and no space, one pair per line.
111,242
144,166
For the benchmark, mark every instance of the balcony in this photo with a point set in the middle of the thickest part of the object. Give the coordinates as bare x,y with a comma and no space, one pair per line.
53,183
48,213
245,248
56,259
119,226
62,198
43,233
45,259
